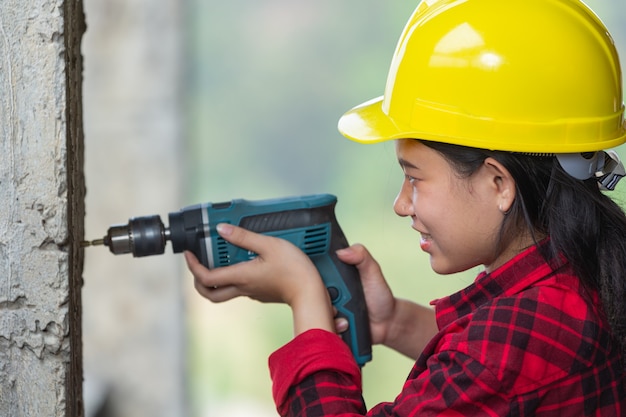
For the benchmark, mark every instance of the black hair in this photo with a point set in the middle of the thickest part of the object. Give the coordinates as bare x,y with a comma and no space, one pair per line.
584,225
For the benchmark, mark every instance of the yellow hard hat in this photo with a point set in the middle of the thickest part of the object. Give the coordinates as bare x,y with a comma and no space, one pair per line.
518,75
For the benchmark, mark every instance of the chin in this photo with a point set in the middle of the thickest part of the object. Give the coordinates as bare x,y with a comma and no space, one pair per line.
441,270
447,269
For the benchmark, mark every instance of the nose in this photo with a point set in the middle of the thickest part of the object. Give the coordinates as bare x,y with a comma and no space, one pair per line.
403,204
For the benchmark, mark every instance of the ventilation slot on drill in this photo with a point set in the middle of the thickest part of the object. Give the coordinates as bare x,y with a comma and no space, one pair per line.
223,258
316,241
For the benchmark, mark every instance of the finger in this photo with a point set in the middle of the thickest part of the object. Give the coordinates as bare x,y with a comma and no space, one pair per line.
341,324
243,238
193,263
206,280
217,294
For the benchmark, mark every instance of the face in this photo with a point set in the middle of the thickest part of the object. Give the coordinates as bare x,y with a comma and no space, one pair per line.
459,219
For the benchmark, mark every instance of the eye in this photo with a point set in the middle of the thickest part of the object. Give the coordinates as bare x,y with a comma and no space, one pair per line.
410,179
409,170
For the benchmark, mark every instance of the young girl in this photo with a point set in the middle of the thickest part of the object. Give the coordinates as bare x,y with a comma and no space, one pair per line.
499,111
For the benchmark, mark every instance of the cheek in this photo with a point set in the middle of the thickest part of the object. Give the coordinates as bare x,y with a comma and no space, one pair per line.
457,223
471,237
435,209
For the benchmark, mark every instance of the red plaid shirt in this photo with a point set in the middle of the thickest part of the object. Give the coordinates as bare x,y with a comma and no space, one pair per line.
525,340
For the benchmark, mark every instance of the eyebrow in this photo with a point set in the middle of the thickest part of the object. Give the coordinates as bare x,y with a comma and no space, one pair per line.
406,164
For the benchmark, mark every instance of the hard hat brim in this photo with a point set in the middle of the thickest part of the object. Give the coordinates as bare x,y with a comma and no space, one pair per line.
368,123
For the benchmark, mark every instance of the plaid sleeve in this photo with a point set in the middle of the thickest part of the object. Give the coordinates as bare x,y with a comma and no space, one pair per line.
453,385
314,371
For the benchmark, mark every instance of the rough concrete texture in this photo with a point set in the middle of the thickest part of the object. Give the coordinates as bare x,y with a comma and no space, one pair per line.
41,208
132,307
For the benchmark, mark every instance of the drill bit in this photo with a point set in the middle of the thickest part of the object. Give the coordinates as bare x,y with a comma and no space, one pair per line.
86,243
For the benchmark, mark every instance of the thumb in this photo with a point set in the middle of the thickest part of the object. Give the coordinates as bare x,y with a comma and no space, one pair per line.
357,255
360,257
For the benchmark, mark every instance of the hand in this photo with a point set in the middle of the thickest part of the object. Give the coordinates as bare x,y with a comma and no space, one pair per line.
380,301
399,324
281,272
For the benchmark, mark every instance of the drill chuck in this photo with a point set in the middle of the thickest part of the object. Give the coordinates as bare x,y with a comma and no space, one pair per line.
141,236
147,235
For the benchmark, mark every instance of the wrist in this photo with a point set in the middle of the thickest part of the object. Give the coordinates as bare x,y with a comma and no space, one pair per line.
312,309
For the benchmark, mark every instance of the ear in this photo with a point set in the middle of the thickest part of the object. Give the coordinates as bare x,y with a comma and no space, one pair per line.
502,184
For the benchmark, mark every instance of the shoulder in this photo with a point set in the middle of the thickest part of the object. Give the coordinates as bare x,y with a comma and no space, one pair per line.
538,335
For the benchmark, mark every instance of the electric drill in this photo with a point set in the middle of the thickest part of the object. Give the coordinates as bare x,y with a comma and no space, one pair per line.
308,222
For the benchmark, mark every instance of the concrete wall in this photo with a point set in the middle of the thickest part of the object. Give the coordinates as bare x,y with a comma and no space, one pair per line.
133,321
41,207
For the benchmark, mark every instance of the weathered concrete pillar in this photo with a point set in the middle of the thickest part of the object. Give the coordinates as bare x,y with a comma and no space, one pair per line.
41,208
133,321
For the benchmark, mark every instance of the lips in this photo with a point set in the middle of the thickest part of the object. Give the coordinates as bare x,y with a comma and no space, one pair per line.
425,242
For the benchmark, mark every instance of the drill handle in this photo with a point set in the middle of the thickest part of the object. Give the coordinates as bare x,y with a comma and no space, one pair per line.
346,293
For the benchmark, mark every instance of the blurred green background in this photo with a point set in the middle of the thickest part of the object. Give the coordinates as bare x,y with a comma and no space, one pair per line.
266,84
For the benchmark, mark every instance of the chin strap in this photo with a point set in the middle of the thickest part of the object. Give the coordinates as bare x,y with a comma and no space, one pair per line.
604,166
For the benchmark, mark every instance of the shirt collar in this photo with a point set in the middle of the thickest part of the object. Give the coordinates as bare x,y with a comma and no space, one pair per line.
516,275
